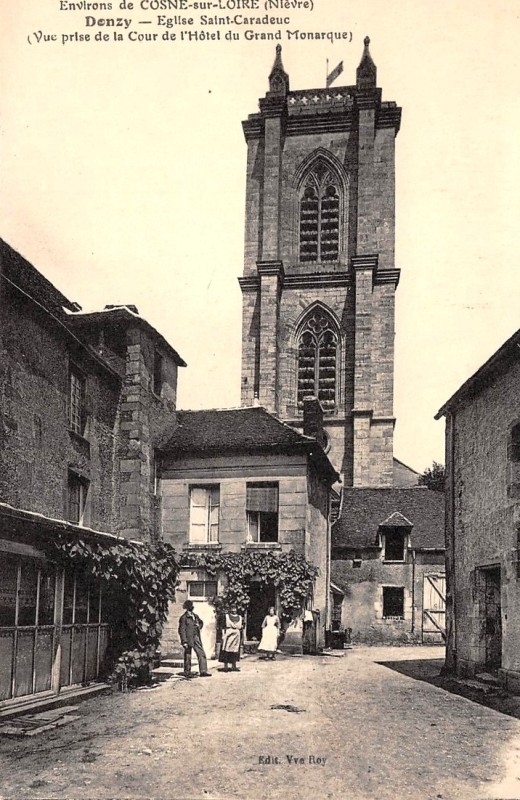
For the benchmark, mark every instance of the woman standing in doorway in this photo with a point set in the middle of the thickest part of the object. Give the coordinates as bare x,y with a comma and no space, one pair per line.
231,634
270,634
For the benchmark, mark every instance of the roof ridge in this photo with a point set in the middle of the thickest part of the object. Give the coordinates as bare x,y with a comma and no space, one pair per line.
228,408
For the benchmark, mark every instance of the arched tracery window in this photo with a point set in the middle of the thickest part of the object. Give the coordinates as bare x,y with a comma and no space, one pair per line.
317,357
319,215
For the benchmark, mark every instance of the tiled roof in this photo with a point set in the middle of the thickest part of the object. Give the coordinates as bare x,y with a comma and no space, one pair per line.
239,430
396,520
27,278
122,314
363,511
218,430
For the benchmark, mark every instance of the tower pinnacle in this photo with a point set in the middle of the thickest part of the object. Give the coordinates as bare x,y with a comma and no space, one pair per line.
278,79
366,73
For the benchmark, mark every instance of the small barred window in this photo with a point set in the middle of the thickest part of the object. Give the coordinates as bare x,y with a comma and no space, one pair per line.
317,355
319,216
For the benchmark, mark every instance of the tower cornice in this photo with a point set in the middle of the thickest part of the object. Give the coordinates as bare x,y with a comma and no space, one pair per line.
363,262
271,267
387,276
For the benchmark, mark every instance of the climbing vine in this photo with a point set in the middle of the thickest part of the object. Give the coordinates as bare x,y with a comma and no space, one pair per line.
290,573
139,580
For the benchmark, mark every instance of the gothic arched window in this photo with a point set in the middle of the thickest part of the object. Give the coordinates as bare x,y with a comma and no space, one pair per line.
319,215
317,356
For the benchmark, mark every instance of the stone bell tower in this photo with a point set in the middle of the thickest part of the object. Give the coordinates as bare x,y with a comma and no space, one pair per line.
319,276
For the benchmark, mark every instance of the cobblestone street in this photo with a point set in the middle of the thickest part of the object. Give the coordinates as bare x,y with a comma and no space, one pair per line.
348,727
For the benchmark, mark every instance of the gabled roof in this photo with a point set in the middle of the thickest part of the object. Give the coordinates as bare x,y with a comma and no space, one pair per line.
18,271
125,315
396,520
498,363
239,430
25,278
364,511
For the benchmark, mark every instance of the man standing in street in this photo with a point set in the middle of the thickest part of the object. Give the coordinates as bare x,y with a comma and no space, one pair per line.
189,631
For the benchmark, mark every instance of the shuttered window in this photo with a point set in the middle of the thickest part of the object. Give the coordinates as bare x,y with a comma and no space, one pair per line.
262,498
204,514
77,499
262,512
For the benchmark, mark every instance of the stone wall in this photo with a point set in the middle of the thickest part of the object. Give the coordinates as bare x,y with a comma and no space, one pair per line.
232,478
362,608
144,418
38,449
123,417
482,527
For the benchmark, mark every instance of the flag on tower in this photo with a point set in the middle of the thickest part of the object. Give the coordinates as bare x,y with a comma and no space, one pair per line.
331,77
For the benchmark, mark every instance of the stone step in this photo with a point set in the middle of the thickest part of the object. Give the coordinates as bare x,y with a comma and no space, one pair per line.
163,670
172,662
487,677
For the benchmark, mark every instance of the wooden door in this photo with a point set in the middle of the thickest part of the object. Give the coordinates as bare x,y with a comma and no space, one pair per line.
493,619
434,609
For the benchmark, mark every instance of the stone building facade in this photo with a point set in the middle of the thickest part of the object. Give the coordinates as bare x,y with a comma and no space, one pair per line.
388,574
83,400
240,481
483,519
319,274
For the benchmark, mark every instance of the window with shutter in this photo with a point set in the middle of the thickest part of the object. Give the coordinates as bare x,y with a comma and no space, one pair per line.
262,512
77,493
204,514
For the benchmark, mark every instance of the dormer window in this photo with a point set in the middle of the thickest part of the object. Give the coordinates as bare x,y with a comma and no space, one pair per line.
394,544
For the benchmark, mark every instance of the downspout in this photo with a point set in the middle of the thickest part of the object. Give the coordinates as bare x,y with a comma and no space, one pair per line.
413,591
450,665
452,528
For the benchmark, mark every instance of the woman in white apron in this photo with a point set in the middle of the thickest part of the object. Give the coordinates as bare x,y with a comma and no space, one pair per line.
230,649
270,634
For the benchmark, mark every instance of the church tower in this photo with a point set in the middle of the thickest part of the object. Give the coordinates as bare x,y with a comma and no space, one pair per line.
319,276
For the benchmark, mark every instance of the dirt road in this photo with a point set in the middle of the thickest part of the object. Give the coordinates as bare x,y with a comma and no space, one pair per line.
323,727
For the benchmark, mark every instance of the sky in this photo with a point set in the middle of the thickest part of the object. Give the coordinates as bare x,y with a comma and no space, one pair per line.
123,173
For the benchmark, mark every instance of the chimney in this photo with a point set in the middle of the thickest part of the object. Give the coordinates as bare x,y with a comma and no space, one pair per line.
313,420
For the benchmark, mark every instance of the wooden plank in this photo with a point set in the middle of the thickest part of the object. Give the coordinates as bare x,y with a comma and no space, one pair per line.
21,549
434,587
435,623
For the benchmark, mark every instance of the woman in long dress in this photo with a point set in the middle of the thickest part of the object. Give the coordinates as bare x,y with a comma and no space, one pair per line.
270,633
230,649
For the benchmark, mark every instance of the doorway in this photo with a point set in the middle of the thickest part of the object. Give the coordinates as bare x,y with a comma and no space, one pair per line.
492,618
262,597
